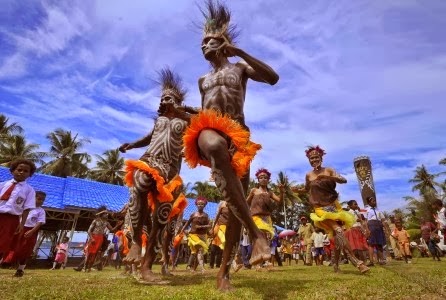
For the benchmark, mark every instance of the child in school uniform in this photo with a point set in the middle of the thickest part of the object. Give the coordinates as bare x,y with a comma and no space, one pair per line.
17,197
25,242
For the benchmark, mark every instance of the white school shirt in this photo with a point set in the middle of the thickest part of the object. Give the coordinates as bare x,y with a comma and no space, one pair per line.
36,215
357,215
371,214
23,197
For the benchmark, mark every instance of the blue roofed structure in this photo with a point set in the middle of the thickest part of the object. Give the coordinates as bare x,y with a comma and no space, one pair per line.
71,202
210,209
90,194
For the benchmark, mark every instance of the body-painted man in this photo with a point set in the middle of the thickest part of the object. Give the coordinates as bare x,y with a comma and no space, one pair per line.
321,185
154,177
218,136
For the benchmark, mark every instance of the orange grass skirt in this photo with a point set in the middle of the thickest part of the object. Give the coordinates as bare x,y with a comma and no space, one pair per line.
164,189
240,138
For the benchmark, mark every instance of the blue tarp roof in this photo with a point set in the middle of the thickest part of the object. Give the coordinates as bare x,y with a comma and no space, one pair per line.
71,192
210,209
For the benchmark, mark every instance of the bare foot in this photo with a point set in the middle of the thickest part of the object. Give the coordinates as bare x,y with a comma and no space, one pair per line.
261,251
336,269
148,277
223,283
363,268
134,255
165,270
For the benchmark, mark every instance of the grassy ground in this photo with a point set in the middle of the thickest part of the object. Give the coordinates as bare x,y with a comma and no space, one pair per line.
423,279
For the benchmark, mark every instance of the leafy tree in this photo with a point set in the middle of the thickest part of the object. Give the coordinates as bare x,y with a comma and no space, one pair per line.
424,182
289,197
206,190
66,158
109,168
421,207
8,129
15,147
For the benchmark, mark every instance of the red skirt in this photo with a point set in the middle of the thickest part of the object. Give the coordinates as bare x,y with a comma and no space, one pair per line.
356,239
24,246
8,225
60,257
94,245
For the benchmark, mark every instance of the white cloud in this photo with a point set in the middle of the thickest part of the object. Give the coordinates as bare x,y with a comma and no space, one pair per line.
356,77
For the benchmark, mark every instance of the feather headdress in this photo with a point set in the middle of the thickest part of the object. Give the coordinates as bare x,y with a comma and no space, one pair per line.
171,84
263,171
217,17
314,150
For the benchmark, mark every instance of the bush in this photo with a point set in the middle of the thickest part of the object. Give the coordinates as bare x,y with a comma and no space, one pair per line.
415,234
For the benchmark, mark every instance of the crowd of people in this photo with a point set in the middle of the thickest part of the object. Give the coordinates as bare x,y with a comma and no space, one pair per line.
372,237
242,235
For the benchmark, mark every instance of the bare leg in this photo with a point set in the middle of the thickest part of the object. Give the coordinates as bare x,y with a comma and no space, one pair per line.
232,237
371,255
154,242
341,243
215,148
167,245
200,260
335,258
139,212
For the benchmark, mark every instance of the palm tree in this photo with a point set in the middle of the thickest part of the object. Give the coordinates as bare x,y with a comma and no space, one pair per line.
66,158
109,168
204,189
422,207
289,197
185,189
16,147
6,129
424,182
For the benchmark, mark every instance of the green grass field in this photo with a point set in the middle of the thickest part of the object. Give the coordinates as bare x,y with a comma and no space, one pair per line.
423,279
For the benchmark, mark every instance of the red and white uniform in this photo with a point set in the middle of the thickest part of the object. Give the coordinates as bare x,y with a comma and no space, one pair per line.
22,197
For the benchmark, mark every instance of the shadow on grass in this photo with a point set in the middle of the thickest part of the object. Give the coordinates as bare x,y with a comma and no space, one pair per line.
185,279
279,288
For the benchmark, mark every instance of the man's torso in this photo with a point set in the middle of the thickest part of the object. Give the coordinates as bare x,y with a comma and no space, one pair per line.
225,91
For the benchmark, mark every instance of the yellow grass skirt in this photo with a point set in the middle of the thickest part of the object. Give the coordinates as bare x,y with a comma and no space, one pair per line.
240,138
219,239
264,223
335,213
196,241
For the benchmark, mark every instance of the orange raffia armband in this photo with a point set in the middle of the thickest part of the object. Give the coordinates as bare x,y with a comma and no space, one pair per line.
177,240
131,165
178,206
143,240
125,243
245,150
164,190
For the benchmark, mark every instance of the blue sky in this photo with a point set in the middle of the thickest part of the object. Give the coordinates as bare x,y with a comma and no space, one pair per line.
356,77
